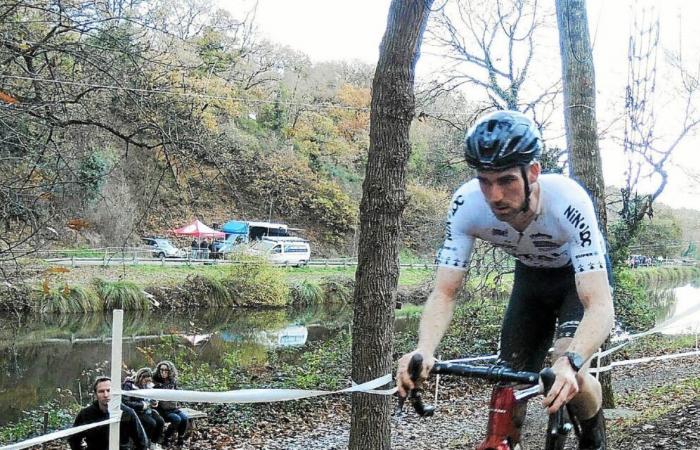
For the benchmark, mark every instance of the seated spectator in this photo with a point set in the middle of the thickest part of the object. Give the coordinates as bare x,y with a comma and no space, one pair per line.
166,378
152,422
98,438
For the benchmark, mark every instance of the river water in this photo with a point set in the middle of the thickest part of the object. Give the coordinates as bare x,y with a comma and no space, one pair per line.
41,354
42,357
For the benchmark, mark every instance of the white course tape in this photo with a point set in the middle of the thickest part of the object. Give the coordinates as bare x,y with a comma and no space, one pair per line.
57,435
257,395
642,360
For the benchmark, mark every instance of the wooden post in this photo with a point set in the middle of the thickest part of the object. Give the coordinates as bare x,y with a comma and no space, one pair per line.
116,375
46,428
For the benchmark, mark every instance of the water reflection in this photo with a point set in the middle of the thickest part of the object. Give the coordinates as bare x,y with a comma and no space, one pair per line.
678,310
39,354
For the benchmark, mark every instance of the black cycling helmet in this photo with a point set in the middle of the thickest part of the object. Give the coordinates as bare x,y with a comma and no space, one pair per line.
501,140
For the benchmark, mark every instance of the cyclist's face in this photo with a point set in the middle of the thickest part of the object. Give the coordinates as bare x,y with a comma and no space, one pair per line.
504,192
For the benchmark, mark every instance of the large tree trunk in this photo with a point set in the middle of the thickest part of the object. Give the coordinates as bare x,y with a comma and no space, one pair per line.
383,202
578,74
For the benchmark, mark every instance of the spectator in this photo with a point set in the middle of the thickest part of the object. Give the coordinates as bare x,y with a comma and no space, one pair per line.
166,378
204,249
98,438
212,249
152,422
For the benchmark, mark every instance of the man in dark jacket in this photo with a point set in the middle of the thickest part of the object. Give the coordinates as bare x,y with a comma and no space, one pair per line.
98,438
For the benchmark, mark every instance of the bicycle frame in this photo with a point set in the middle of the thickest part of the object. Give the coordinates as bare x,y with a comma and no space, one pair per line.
502,433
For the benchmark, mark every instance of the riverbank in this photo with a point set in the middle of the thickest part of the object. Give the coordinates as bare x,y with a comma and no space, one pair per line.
657,407
318,365
253,284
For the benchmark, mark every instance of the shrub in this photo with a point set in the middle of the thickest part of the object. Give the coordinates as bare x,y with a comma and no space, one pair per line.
205,291
305,292
121,295
632,307
254,282
338,289
67,299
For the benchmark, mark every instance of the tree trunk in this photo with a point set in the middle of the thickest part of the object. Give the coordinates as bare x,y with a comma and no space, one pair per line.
585,164
383,202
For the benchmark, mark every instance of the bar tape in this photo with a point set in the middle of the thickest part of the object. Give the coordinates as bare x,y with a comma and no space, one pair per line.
58,435
257,395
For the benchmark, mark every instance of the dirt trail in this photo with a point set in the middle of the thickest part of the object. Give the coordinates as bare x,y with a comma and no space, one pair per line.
461,419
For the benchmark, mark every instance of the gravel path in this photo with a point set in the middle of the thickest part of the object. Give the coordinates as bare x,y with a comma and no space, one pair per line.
461,418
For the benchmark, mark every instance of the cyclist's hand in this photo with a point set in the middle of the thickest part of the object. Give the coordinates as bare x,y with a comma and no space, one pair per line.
565,386
403,378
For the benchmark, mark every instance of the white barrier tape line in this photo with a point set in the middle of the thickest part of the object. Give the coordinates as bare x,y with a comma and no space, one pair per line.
255,395
630,362
57,435
600,354
476,358
390,391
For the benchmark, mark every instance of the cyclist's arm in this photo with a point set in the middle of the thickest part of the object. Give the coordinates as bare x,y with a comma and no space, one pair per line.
438,310
437,314
594,292
598,316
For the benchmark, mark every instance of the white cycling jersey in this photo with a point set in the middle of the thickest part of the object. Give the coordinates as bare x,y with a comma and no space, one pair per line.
564,230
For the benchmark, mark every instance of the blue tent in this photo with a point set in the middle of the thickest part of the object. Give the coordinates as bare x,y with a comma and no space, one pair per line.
235,227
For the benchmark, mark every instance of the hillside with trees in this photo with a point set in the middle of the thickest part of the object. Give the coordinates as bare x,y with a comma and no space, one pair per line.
125,118
132,118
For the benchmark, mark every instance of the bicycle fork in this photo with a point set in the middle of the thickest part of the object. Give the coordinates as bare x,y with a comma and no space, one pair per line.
501,432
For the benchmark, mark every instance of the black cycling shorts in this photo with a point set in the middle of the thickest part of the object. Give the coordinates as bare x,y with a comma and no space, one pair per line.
542,300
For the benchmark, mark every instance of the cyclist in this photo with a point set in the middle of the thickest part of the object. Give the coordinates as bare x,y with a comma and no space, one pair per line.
560,288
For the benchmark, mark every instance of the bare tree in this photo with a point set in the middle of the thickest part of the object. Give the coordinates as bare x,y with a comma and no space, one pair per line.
647,157
491,45
383,202
84,85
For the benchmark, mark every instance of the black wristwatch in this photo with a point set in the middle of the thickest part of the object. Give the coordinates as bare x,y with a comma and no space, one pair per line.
576,361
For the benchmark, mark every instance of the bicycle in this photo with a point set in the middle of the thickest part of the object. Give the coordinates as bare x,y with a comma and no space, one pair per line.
501,432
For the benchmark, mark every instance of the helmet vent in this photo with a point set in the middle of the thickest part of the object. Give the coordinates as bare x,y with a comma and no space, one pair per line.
512,144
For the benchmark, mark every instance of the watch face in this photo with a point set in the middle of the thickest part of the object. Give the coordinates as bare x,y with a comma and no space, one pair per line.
575,360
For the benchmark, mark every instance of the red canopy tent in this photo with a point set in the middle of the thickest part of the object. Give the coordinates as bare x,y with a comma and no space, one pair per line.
197,229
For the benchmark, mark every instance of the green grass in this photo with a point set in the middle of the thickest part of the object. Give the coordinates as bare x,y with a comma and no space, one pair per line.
121,295
338,289
69,299
409,310
306,292
415,277
671,276
654,403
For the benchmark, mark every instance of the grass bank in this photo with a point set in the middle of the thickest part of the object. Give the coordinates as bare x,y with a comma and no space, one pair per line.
632,286
664,276
132,287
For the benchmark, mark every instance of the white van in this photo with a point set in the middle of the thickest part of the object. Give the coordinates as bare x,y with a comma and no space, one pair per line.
284,250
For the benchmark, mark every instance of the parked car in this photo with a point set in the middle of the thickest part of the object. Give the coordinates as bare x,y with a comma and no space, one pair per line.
163,248
285,250
220,249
